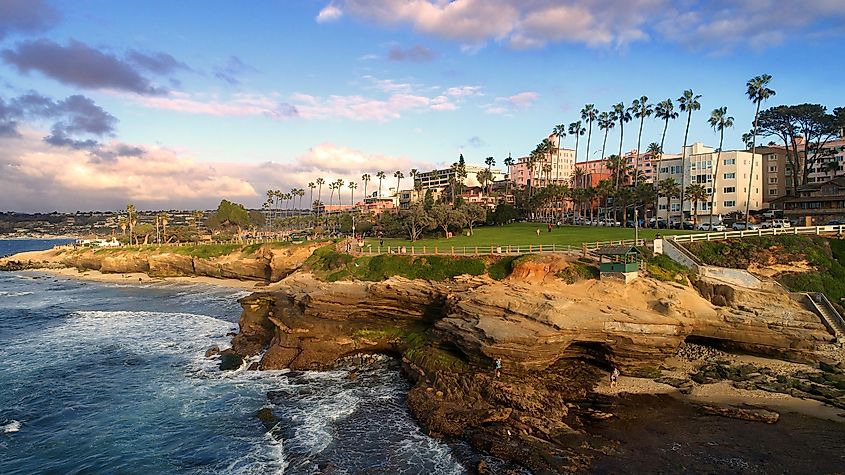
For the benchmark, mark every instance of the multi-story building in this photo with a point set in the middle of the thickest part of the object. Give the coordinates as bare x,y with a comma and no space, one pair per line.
439,179
831,164
815,203
561,161
777,175
409,197
731,186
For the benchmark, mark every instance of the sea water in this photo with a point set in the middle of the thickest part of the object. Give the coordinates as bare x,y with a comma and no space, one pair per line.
113,378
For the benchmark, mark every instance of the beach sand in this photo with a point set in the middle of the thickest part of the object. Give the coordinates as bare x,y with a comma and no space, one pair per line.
141,278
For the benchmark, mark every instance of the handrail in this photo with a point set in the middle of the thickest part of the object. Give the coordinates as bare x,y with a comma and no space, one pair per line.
724,235
819,298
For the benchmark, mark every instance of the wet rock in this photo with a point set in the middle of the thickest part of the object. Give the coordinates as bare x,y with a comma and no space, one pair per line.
746,414
266,416
214,350
229,360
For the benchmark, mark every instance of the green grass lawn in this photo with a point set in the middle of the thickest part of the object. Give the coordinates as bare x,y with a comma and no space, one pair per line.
524,234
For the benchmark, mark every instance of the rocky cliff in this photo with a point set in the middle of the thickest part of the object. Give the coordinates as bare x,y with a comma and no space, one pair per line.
265,263
554,340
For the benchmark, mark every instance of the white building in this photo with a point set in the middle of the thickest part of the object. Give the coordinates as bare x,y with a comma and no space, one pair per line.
731,186
439,179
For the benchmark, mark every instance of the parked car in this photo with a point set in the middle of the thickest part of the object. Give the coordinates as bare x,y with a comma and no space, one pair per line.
718,227
835,222
744,226
777,223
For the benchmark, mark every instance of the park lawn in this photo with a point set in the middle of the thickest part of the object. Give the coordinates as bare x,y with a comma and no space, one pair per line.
525,234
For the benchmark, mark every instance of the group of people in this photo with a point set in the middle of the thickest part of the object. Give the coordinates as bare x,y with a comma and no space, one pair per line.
614,375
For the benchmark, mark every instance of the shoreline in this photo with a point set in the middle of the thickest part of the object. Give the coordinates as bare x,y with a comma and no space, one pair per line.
142,278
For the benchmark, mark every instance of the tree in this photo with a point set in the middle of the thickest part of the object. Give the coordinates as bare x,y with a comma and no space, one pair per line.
559,131
509,163
475,213
231,214
664,111
460,173
352,187
164,218
490,162
132,219
757,90
399,176
504,214
622,115
311,187
122,223
589,115
381,176
641,109
695,192
720,121
366,179
654,151
415,220
606,122
688,102
320,182
668,189
444,217
577,130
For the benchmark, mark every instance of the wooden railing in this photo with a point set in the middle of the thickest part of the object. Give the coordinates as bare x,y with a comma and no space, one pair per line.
496,249
719,236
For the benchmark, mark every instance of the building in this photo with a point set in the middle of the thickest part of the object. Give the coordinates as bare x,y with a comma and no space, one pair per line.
377,205
777,175
731,185
409,197
561,160
439,179
815,203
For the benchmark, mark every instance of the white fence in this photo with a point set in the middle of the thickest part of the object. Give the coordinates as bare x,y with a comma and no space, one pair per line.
838,229
505,249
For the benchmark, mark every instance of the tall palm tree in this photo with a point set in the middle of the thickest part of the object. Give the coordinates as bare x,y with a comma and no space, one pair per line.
320,182
589,115
606,122
668,189
831,167
577,130
122,224
311,187
132,219
695,192
332,187
381,176
622,115
757,91
366,179
270,197
641,109
278,199
490,162
664,111
559,131
164,218
719,120
688,102
352,186
509,163
654,152
339,187
399,176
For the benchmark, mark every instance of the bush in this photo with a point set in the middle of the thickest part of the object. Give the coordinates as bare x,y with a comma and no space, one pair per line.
578,271
665,269
501,268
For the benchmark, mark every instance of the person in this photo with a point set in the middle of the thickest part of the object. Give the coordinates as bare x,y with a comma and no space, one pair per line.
538,231
549,226
614,377
498,367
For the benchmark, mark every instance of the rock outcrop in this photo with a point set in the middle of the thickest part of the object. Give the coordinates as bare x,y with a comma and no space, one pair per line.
553,339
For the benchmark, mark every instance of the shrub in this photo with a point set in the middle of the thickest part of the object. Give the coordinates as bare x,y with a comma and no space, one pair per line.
501,268
665,269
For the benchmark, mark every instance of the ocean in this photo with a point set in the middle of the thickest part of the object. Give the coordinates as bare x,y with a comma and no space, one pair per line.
113,378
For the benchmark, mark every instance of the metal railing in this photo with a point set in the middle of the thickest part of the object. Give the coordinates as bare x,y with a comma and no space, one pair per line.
495,249
720,236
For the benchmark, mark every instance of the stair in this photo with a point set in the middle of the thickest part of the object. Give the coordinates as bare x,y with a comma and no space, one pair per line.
830,317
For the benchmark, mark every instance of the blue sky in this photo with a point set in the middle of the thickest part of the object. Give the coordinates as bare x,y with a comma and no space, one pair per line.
184,102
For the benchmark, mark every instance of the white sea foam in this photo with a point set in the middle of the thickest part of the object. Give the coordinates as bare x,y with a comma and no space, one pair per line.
11,426
8,293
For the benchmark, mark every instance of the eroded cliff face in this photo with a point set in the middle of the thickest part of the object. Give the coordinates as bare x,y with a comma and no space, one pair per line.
555,340
267,264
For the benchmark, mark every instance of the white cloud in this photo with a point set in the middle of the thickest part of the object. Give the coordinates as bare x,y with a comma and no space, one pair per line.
329,13
510,104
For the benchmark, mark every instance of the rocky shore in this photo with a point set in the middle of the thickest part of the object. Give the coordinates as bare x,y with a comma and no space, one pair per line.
556,340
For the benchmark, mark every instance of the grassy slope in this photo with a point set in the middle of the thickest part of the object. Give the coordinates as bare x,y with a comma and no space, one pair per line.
524,234
826,255
194,250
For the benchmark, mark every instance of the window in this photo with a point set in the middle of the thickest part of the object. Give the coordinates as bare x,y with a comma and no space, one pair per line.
730,176
730,189
661,207
664,169
730,161
676,206
729,204
773,180
773,191
772,156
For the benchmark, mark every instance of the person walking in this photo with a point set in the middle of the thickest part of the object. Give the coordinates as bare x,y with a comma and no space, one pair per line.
498,365
614,377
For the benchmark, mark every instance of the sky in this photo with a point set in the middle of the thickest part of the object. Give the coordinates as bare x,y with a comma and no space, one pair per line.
175,105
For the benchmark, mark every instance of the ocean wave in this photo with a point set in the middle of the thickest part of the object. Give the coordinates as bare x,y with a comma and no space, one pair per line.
11,426
7,293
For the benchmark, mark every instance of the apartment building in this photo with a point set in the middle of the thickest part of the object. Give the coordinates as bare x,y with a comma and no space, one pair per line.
439,179
730,187
562,162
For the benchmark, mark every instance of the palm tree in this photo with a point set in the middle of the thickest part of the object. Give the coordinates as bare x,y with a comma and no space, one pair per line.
688,103
399,176
668,189
352,187
490,162
641,109
366,179
164,218
508,163
757,91
831,167
577,130
664,111
121,222
339,187
320,182
332,187
560,131
311,187
381,176
604,190
132,219
654,152
720,121
270,196
579,176
278,198
695,192
606,122
589,115
622,115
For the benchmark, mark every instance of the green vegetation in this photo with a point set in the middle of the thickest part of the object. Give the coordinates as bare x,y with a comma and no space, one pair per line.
501,268
825,255
201,250
525,234
663,268
581,270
